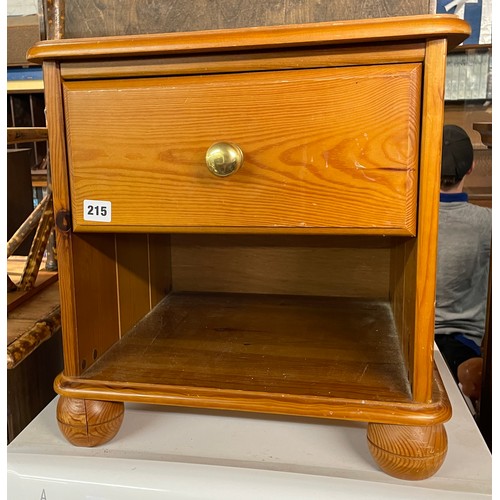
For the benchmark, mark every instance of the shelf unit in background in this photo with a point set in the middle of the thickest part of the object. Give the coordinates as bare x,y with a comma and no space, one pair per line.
469,74
26,108
468,100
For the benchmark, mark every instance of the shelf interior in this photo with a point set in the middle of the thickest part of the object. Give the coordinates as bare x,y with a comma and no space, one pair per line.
295,345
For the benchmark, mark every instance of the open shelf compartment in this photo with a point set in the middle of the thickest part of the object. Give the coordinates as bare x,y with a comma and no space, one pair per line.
215,320
292,345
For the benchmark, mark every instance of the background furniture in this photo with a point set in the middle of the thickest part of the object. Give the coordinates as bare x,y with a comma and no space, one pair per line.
19,194
34,351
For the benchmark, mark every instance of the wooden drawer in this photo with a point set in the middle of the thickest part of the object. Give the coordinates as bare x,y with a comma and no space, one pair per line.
323,148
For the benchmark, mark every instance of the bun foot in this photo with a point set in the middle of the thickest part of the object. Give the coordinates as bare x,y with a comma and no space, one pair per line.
408,452
85,422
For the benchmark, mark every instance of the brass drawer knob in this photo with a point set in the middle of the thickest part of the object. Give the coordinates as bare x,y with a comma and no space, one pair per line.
224,158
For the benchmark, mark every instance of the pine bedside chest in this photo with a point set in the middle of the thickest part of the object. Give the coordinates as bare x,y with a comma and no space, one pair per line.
246,220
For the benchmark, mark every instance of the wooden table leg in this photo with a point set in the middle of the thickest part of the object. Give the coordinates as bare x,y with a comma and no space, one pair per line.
86,422
408,452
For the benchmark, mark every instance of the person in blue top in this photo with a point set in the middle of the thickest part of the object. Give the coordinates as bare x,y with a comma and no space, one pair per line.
464,246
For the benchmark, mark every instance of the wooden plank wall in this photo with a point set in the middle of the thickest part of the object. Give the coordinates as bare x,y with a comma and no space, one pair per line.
280,264
91,18
29,384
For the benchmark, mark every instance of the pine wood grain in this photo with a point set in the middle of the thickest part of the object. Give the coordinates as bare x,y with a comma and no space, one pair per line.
88,423
160,267
260,60
311,158
403,28
132,278
279,344
95,296
61,200
140,138
426,247
300,265
386,412
406,452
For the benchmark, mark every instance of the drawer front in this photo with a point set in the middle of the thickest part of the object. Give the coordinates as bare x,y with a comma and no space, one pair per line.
323,148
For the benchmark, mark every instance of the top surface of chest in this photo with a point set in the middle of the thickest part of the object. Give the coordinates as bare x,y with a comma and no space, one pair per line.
340,33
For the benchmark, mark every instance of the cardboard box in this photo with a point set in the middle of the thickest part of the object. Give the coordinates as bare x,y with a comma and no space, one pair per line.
22,33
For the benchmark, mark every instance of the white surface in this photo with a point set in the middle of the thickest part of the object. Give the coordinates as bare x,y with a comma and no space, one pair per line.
172,453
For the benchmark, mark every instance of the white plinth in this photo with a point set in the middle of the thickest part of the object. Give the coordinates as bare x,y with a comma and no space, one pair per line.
171,453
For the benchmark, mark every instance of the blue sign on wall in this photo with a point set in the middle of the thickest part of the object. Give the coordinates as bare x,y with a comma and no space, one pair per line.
476,12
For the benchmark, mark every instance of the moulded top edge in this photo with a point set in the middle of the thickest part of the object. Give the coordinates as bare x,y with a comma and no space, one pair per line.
407,28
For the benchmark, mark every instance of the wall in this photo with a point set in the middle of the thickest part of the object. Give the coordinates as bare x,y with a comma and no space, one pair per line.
22,7
98,18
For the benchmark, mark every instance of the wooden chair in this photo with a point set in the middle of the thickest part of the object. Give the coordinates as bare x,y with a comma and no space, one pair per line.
42,218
